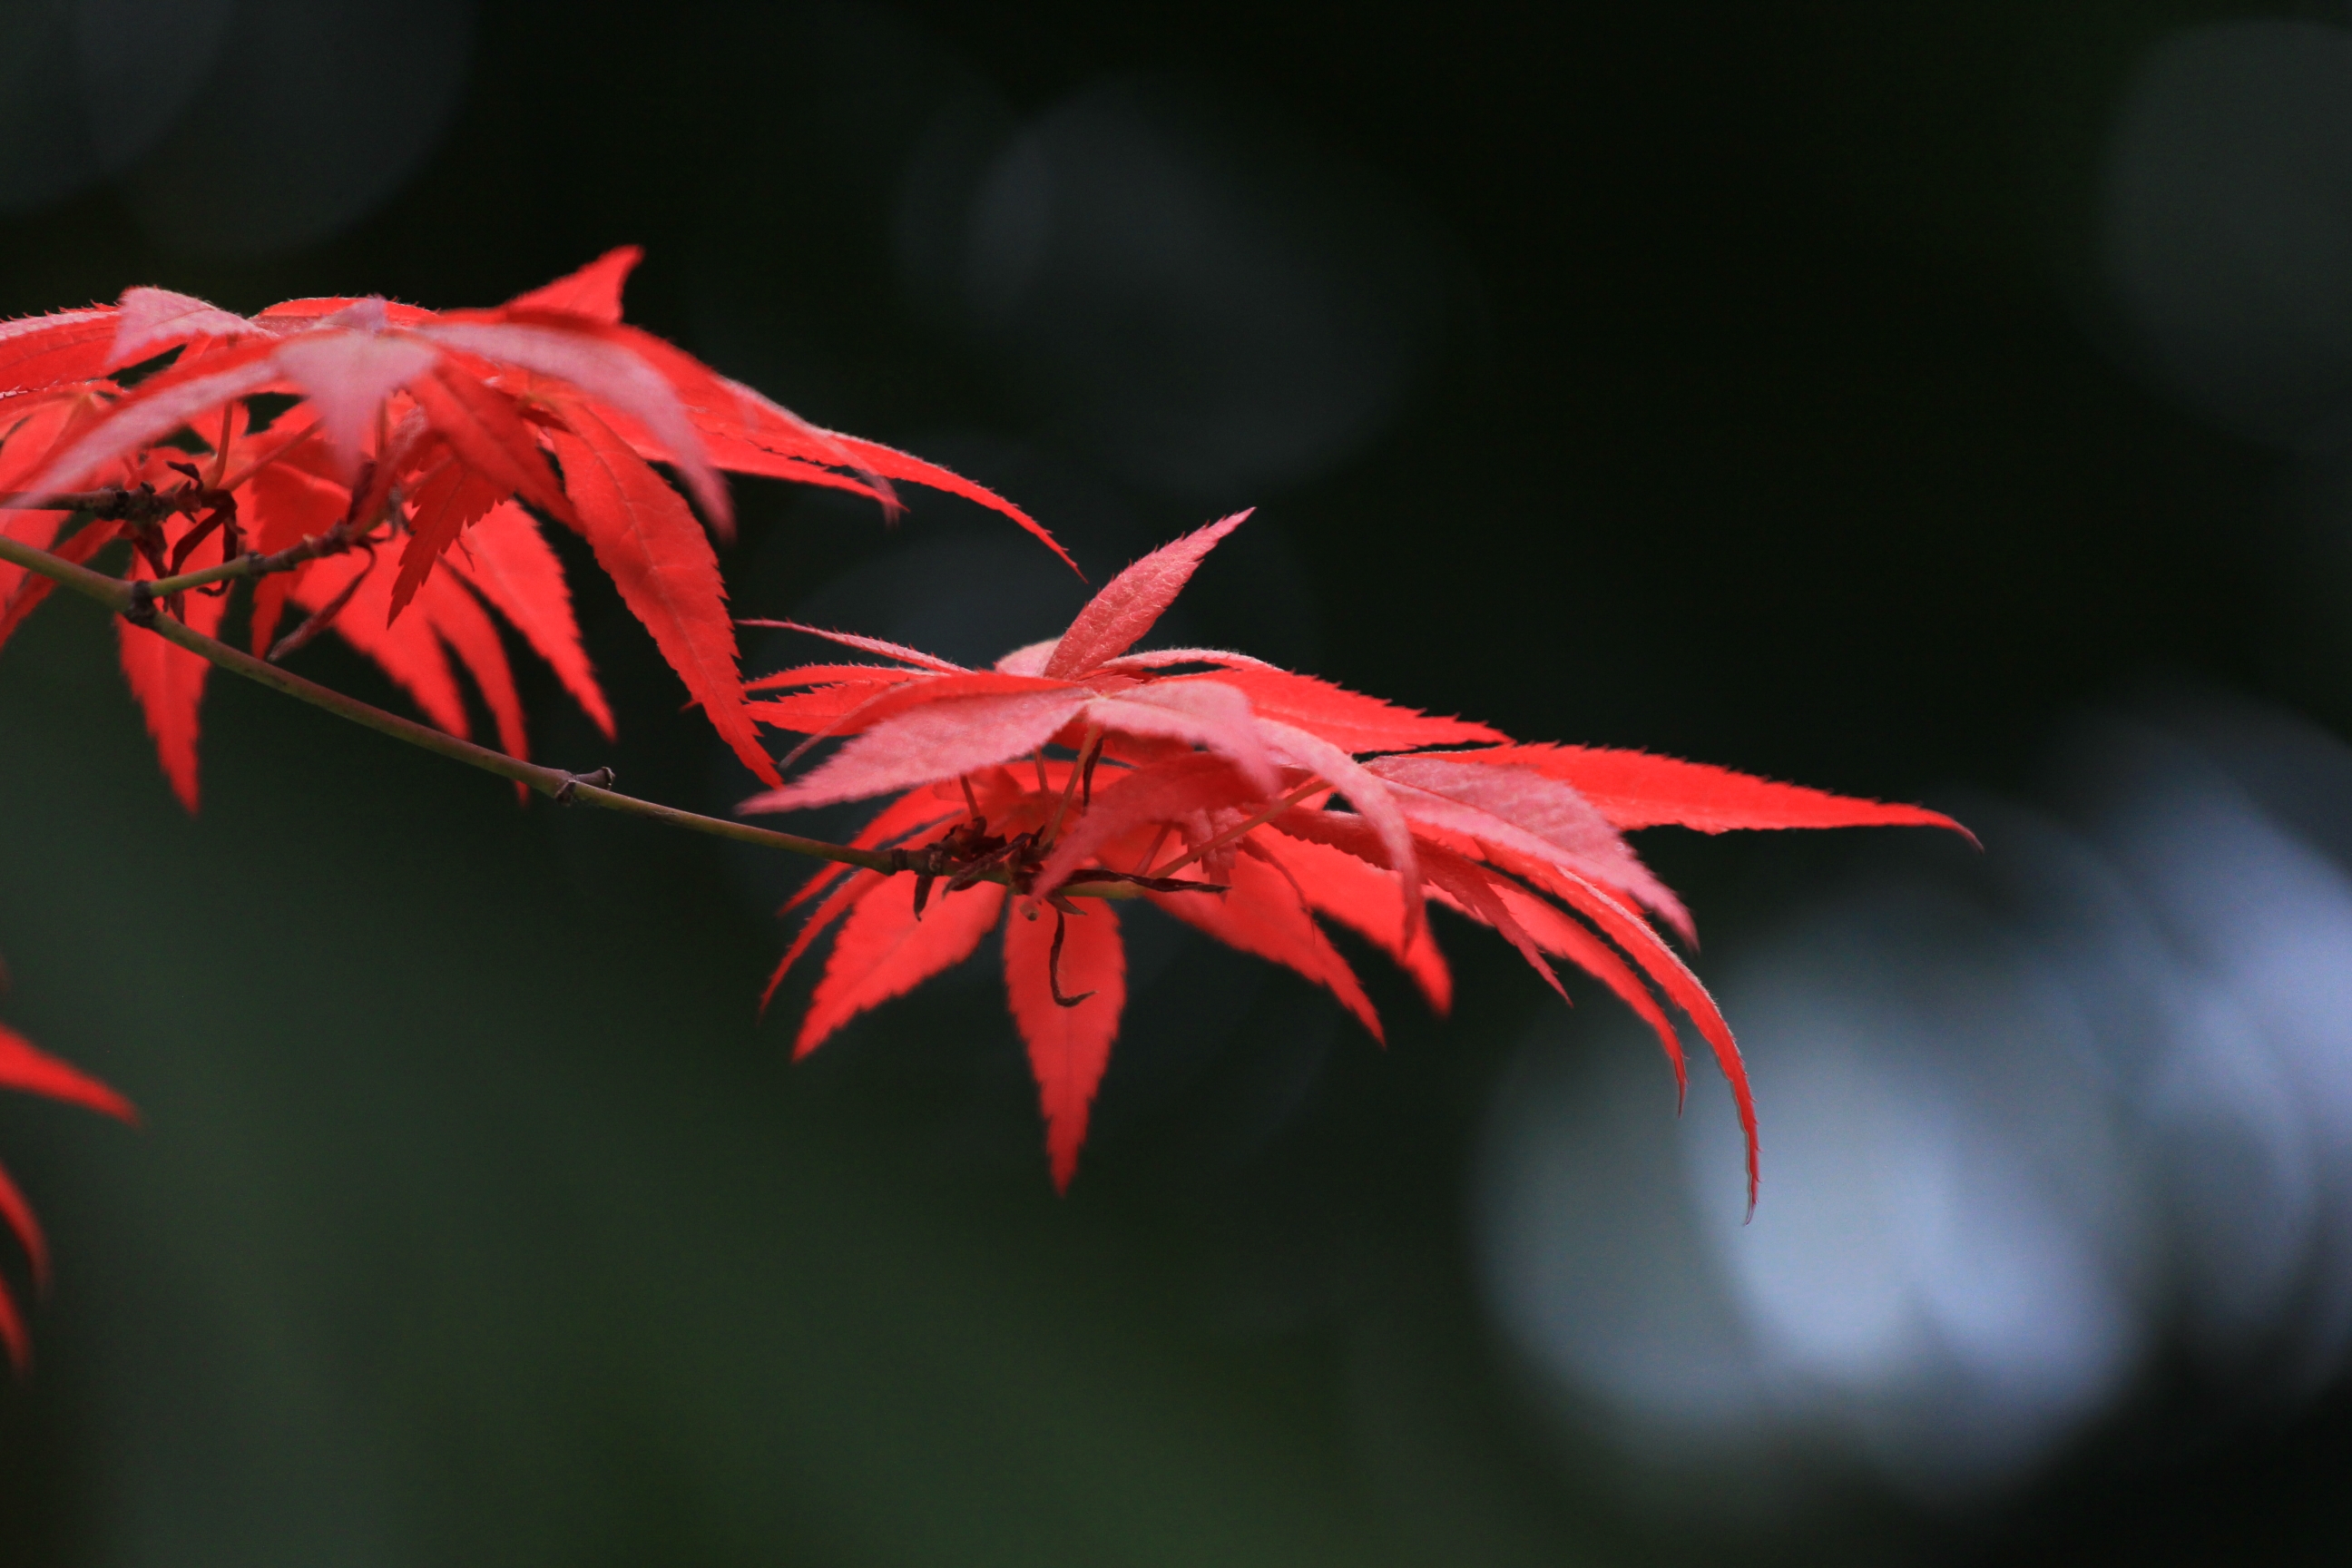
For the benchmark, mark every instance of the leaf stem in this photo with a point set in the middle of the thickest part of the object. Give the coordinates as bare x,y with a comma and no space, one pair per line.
554,783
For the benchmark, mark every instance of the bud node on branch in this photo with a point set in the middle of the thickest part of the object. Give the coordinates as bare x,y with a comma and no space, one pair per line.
600,779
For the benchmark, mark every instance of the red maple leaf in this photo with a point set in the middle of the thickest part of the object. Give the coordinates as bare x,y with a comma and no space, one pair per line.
1210,784
427,430
25,1068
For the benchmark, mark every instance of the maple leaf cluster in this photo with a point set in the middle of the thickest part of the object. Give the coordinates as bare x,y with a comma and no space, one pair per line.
328,433
1249,802
390,472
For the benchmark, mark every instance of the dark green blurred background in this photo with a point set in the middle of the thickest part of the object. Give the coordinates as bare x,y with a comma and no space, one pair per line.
1738,382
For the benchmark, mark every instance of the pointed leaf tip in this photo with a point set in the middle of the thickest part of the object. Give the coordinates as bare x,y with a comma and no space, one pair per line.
594,291
1068,1047
1130,603
885,463
1642,789
29,1070
153,319
168,682
509,564
886,949
656,554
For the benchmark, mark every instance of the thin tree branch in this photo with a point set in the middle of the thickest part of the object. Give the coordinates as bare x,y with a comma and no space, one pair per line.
133,599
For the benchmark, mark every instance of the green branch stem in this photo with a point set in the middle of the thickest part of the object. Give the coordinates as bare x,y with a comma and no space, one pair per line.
554,783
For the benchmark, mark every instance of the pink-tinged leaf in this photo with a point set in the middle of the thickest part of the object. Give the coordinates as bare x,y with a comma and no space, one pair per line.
1168,658
871,456
884,951
373,311
1349,720
819,919
899,651
452,500
1367,793
1536,815
509,564
609,367
1165,792
169,683
661,559
1211,716
891,698
370,316
1363,898
157,408
1637,789
347,377
1470,888
461,622
1140,751
1265,913
818,713
1132,602
20,1219
153,319
408,651
854,707
26,1068
65,345
829,675
488,435
1068,1047
1029,660
594,291
936,742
